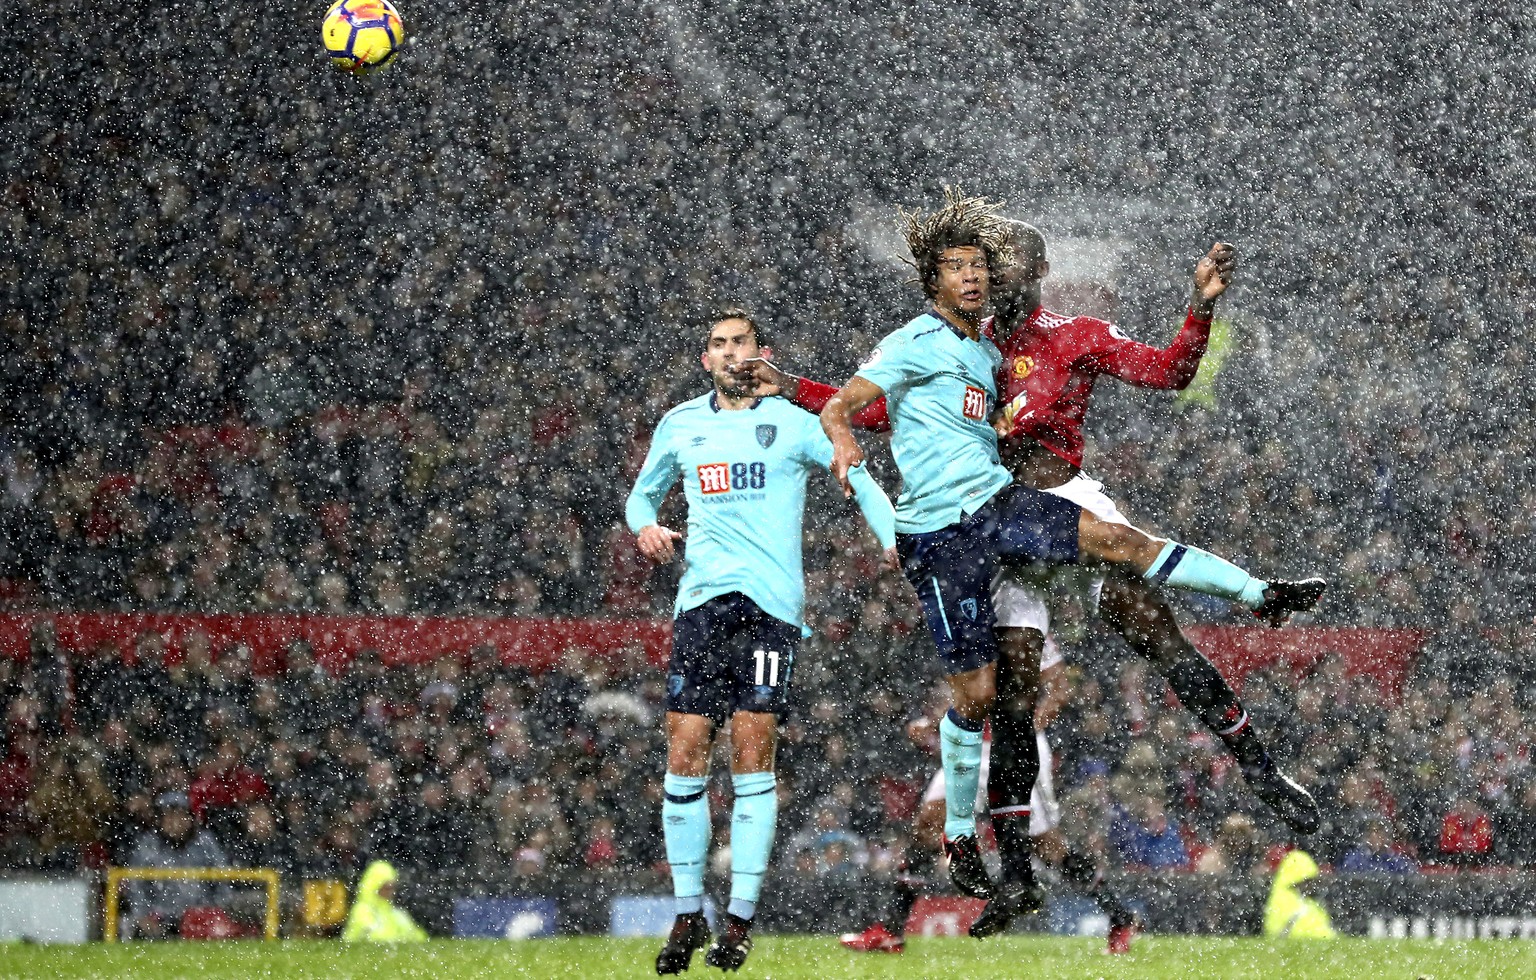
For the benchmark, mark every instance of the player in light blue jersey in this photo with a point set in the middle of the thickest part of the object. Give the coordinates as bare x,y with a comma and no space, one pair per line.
738,619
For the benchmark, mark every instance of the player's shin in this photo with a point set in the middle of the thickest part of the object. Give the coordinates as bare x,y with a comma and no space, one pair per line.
1015,765
754,817
1184,567
960,751
1200,687
685,827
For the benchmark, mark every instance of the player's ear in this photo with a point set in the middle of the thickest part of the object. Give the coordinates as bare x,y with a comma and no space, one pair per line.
704,360
1042,269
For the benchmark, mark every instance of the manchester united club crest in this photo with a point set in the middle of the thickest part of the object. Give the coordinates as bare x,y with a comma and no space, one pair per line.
1022,366
766,434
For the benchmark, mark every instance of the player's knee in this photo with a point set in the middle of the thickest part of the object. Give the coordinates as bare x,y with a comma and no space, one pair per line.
977,696
1123,544
1019,665
688,756
1020,646
749,757
974,692
928,827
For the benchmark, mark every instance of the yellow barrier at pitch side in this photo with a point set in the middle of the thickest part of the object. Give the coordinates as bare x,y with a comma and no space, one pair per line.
116,876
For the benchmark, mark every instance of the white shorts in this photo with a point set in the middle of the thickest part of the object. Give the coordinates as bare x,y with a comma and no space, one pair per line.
1021,596
1044,811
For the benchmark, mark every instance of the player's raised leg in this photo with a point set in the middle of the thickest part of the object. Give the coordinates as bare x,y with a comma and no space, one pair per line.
1160,561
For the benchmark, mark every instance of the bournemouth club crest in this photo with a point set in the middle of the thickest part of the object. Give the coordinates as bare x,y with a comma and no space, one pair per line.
766,434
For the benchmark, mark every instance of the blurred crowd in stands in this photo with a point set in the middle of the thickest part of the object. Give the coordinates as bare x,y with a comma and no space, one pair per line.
289,346
274,339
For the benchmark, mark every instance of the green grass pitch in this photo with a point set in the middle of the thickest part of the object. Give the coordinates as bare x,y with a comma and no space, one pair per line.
781,958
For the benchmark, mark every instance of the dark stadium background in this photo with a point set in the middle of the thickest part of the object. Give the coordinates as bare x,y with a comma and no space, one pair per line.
277,340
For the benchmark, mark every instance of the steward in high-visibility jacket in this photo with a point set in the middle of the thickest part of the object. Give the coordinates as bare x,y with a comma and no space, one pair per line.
1289,914
374,917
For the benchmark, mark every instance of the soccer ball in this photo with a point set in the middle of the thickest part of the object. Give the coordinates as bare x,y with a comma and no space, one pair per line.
362,36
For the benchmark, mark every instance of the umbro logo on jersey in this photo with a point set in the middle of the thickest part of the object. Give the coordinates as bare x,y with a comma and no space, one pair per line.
975,405
699,440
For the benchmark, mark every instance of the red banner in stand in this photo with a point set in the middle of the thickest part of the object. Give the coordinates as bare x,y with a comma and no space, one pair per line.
534,643
1384,655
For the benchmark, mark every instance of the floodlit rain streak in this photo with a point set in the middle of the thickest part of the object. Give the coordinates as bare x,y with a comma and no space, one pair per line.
325,395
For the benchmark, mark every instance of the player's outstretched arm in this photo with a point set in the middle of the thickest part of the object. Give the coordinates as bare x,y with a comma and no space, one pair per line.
769,379
811,395
840,408
1173,367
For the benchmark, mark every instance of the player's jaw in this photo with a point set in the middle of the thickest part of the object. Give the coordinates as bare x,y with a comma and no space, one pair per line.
730,381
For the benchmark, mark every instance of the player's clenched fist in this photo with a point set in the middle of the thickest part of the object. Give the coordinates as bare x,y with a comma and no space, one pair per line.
766,377
1213,273
656,543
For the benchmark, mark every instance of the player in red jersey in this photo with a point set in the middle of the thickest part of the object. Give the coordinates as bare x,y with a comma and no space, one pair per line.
1050,365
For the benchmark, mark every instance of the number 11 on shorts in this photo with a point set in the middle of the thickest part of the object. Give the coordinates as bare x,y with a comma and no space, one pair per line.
770,658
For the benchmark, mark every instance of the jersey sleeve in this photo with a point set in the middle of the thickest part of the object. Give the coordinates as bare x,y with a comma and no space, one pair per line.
878,511
813,397
894,365
656,478
1172,367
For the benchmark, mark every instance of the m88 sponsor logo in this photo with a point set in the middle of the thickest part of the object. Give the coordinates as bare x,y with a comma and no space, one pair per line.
975,405
725,477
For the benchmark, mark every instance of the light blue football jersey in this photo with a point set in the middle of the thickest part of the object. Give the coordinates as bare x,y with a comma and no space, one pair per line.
940,387
744,474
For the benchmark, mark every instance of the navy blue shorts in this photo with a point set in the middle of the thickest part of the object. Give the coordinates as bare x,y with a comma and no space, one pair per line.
728,656
952,568
1027,525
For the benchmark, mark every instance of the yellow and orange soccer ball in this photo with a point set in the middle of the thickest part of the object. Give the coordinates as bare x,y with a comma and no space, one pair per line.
362,36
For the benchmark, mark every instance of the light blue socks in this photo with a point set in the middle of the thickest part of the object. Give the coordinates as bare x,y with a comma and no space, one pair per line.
754,817
685,826
960,748
1184,567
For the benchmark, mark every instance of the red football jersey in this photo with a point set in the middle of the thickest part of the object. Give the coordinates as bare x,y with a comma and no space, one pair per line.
1051,362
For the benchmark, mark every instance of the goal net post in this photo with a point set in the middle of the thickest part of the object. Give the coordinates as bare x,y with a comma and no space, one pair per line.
265,877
